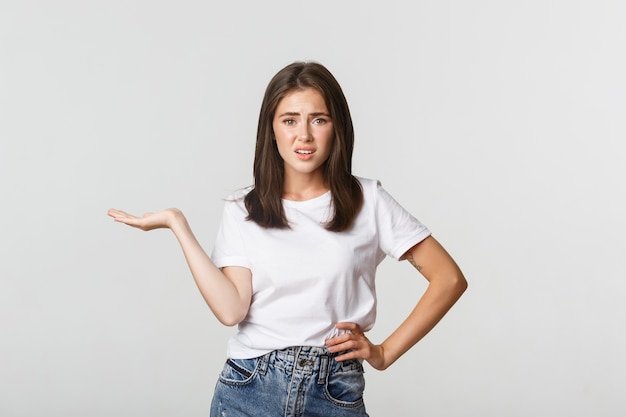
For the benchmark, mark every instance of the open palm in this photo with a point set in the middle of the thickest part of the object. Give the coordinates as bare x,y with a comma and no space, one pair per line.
149,221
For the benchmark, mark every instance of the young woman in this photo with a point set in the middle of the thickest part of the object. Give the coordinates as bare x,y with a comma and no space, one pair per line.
294,261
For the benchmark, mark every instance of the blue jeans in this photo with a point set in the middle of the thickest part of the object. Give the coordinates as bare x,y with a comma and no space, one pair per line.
302,381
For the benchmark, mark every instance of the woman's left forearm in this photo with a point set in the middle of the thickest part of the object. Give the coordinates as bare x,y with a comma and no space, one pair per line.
446,283
439,297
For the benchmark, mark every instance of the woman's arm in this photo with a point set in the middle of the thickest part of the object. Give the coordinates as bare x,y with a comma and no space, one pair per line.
228,291
446,283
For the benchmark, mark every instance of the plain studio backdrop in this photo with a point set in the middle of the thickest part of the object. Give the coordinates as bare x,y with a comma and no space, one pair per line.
499,124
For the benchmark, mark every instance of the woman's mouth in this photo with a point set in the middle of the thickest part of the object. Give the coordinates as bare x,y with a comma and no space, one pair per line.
304,154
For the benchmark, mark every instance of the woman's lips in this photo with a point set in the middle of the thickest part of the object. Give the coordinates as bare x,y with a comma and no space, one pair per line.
305,154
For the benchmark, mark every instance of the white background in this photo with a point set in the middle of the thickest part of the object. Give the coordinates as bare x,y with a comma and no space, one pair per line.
499,124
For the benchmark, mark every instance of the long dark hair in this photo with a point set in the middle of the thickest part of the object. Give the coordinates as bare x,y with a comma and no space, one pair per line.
264,201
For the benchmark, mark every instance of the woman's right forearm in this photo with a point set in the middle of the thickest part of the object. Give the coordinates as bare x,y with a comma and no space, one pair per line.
229,299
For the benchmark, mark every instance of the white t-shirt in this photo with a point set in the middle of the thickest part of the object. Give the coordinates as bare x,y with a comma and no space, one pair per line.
306,279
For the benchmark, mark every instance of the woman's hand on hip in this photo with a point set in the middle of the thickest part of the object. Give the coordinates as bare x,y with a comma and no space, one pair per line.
356,346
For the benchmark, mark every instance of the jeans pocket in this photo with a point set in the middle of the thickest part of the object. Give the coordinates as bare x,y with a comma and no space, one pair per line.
239,371
345,385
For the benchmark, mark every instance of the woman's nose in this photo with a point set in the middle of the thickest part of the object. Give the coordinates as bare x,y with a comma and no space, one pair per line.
304,134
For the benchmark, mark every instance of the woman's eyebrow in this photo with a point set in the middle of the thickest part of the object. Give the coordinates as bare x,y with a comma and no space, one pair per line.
289,113
295,113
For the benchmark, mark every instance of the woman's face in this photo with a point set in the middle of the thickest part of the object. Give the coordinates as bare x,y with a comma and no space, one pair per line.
304,132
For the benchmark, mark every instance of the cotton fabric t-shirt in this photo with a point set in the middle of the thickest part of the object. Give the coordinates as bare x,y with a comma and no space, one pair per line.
306,279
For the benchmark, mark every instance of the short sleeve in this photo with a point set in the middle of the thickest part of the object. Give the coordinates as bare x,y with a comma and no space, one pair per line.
229,247
398,230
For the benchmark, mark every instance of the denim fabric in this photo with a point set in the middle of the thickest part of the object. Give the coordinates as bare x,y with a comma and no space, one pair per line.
301,381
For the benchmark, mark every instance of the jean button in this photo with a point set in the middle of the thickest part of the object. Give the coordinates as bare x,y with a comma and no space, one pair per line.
302,362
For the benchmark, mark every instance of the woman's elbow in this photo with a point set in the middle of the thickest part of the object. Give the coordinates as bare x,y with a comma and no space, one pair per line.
233,316
460,283
230,320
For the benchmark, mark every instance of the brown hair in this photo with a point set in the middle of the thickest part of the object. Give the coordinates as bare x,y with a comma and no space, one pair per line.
264,201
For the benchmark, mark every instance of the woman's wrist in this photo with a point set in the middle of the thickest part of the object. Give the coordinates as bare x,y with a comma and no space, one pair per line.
176,220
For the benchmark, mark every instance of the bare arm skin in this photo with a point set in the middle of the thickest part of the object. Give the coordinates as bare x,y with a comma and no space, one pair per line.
446,284
227,291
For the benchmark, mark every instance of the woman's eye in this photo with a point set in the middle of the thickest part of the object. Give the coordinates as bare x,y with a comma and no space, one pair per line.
289,122
319,121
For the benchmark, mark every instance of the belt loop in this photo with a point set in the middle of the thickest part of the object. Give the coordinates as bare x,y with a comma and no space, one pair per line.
321,379
264,363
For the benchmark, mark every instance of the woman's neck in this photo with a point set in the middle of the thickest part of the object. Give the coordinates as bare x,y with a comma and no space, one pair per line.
304,187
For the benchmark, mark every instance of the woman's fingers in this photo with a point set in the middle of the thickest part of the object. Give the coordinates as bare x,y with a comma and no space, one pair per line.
127,218
146,222
354,344
119,214
353,339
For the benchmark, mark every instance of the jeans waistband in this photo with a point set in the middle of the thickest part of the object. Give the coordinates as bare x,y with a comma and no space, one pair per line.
302,359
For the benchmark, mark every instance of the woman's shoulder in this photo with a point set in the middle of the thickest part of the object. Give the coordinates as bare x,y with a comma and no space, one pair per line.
374,192
366,182
235,201
239,194
369,185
